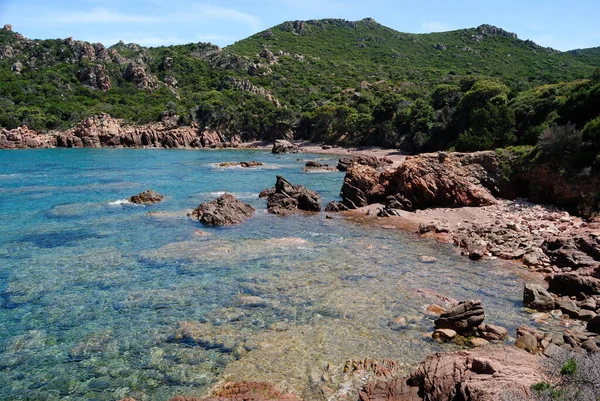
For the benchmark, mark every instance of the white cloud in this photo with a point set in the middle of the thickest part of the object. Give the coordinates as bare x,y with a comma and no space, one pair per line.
207,11
434,26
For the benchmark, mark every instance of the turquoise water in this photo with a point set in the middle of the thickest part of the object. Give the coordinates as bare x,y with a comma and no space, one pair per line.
93,290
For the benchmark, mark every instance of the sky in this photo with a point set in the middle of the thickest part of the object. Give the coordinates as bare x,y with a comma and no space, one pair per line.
563,25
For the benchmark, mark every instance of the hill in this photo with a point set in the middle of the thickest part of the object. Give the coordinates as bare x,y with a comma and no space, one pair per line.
350,82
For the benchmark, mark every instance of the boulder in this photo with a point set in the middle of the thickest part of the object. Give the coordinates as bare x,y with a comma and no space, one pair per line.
594,325
147,197
464,316
536,297
286,198
335,206
491,332
224,211
283,146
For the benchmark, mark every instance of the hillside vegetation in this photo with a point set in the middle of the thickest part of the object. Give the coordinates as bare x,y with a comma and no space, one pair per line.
335,81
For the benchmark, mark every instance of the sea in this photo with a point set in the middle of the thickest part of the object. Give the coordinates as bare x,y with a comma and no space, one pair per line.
101,299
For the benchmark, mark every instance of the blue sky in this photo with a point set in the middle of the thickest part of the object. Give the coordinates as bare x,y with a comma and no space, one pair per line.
563,25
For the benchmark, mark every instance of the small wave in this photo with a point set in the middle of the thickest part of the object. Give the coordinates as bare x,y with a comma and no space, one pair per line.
9,176
239,195
120,202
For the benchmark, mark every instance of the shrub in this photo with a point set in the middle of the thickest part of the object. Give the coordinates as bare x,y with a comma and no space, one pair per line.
560,143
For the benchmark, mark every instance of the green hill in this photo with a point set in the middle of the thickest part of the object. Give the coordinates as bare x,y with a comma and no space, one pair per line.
350,82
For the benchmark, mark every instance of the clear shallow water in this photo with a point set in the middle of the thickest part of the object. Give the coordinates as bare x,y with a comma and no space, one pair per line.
92,291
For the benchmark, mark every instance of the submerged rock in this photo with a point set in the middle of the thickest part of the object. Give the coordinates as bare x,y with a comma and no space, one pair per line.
224,211
286,198
148,197
242,164
283,146
244,391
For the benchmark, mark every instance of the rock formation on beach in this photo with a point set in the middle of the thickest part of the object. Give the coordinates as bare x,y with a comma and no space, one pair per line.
102,130
224,211
283,146
285,198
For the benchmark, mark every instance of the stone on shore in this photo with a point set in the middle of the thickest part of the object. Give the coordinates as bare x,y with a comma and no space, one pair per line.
464,316
283,146
537,297
224,211
148,197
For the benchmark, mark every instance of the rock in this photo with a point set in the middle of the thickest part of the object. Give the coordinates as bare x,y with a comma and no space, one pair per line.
462,179
96,77
147,197
528,342
443,334
478,342
481,374
361,187
372,161
23,137
589,303
427,259
244,391
594,325
334,206
464,316
286,198
491,332
225,210
249,301
7,27
136,74
315,166
434,309
241,164
17,67
586,315
476,253
568,307
536,297
283,146
530,259
586,281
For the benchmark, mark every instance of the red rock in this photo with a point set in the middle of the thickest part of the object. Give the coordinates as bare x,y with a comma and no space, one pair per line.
244,391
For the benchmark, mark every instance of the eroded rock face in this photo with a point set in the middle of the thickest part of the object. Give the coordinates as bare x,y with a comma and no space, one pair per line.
481,374
226,210
95,77
148,197
286,198
455,180
136,73
283,146
23,137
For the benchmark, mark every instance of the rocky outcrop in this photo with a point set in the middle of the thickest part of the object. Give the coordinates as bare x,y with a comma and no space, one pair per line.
490,30
95,77
445,180
283,146
482,374
148,197
362,187
102,130
23,137
247,86
372,161
224,211
285,198
136,73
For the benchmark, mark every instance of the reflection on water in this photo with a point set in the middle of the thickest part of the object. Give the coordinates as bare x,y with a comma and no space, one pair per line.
101,301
